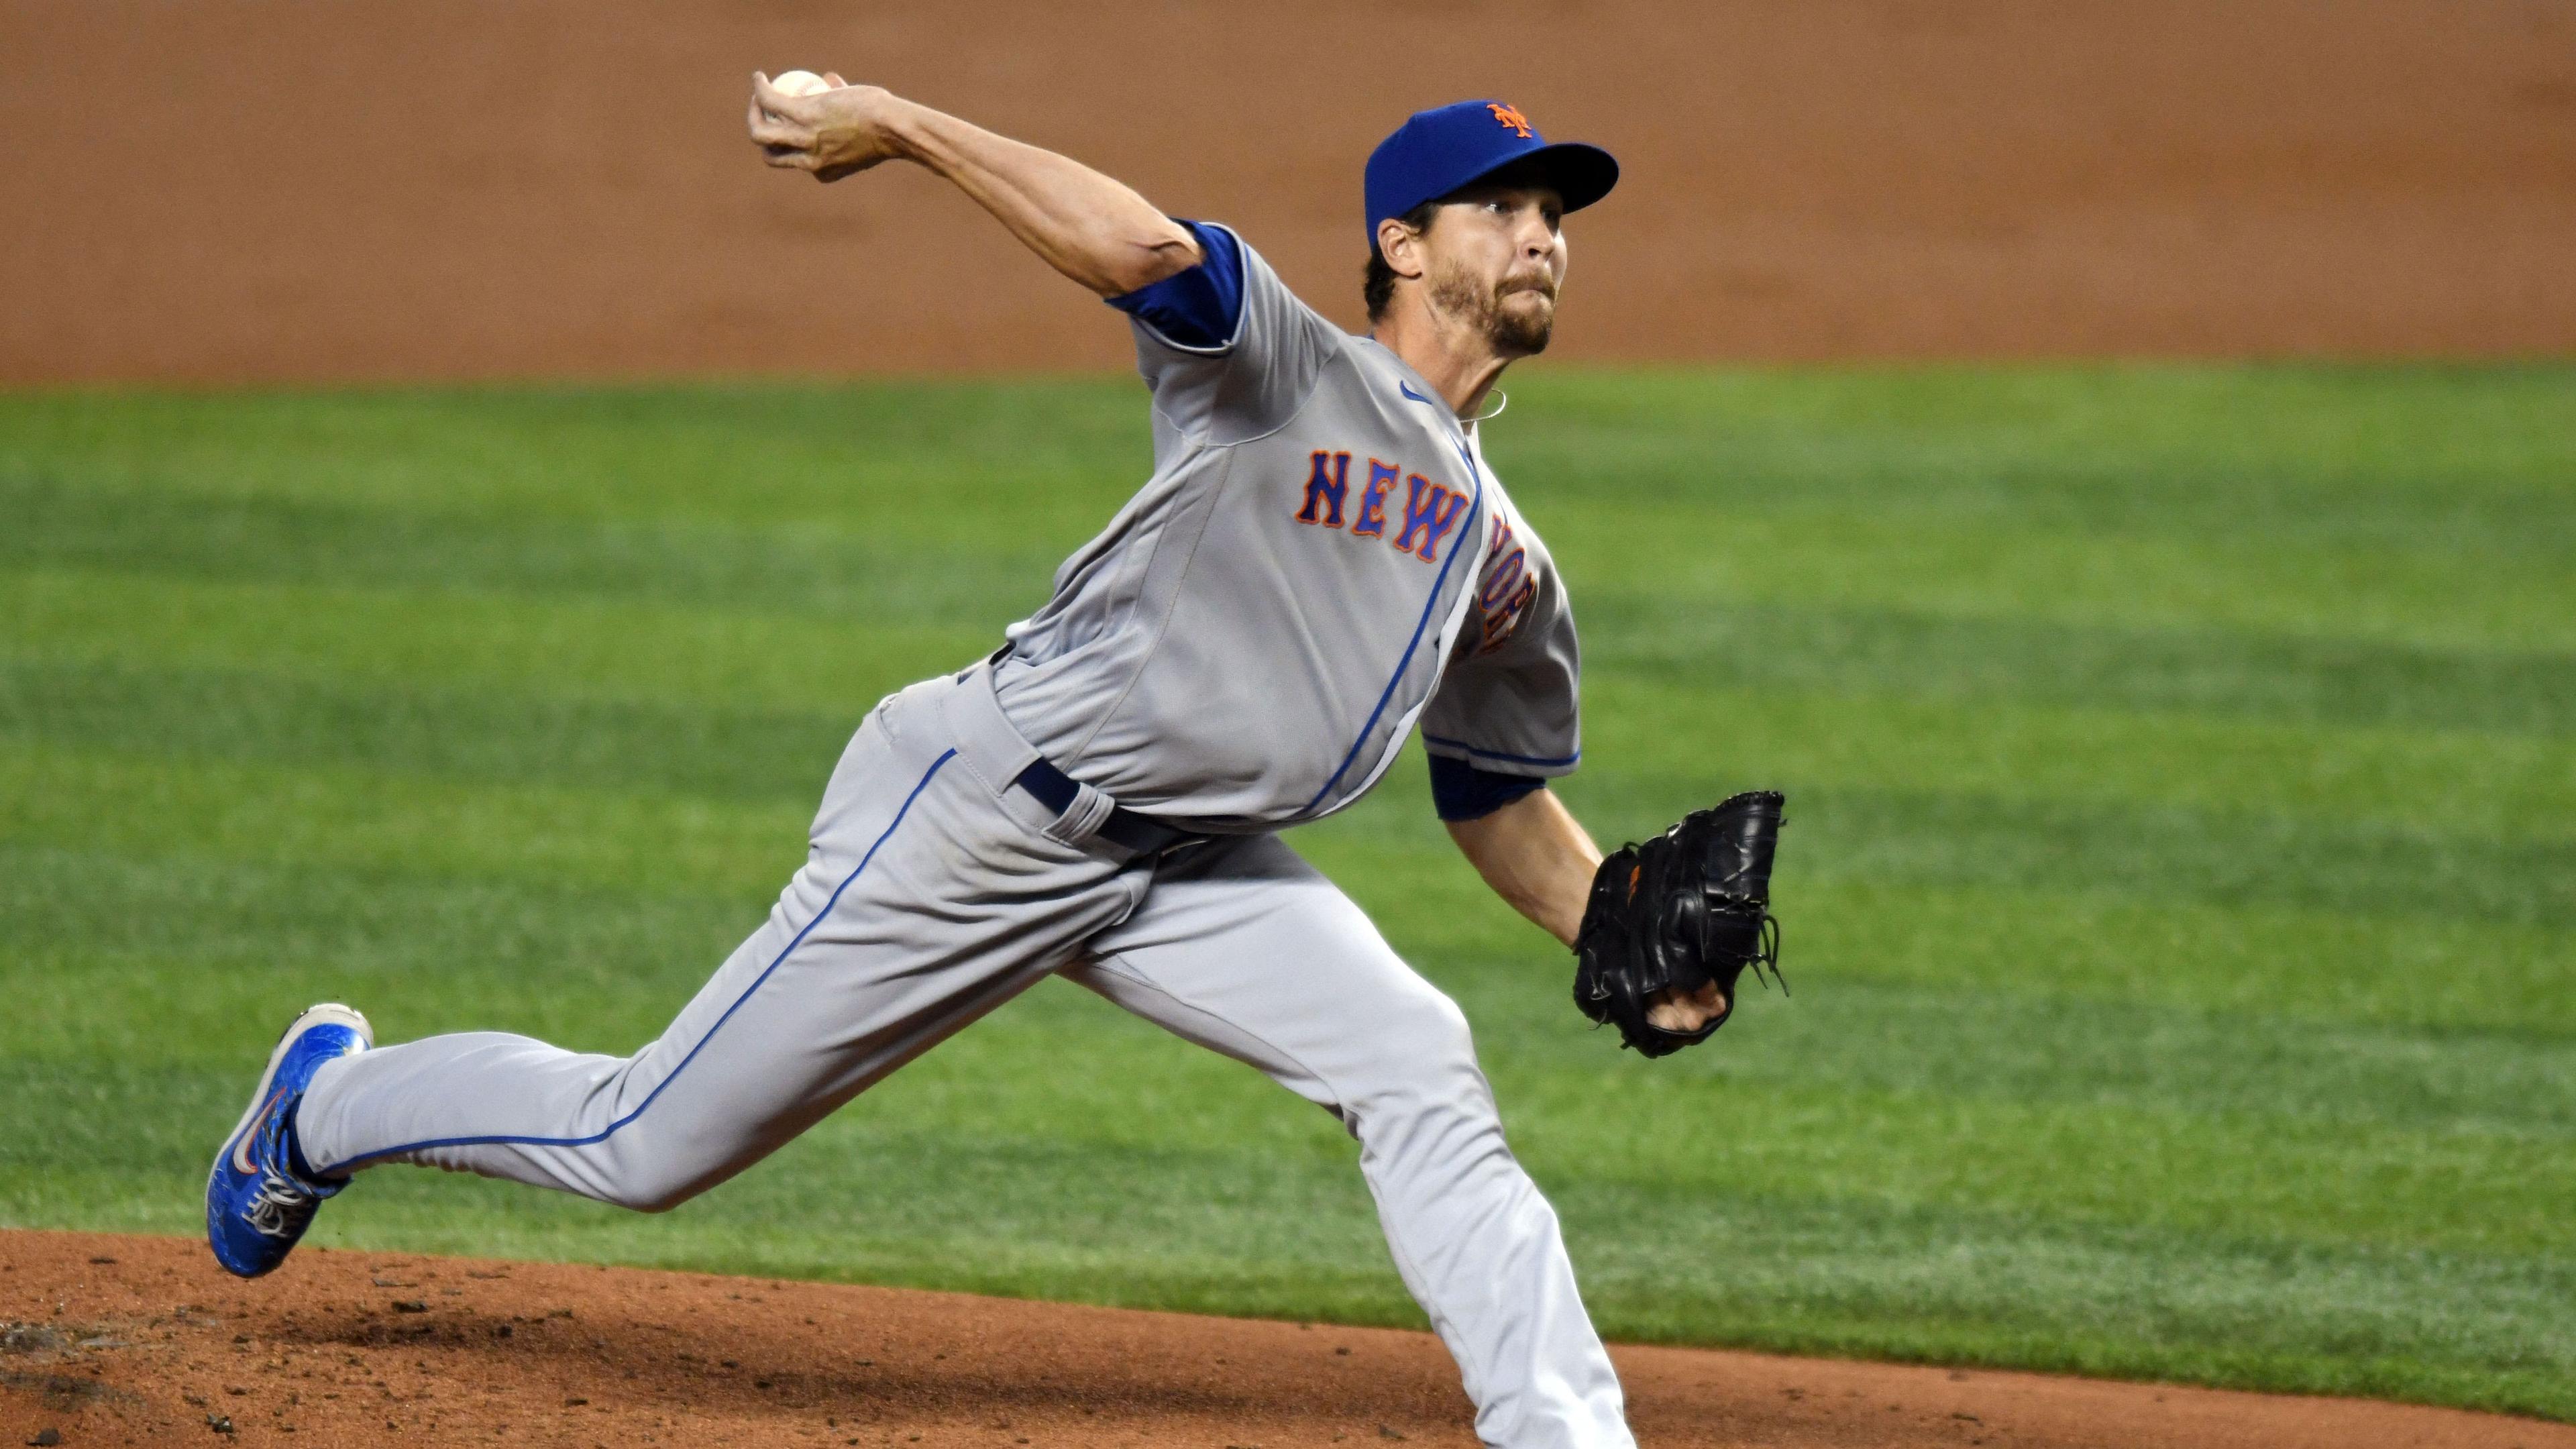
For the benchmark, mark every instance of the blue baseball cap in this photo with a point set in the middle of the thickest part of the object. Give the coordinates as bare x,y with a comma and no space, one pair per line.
1436,152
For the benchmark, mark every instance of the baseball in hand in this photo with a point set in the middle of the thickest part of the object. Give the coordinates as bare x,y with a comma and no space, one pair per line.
800,83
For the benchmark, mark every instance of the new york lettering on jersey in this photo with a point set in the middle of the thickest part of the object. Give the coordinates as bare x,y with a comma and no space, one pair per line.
1505,590
1430,511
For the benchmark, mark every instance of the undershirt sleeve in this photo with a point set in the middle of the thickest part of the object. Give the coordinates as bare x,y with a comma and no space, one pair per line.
1460,791
1197,307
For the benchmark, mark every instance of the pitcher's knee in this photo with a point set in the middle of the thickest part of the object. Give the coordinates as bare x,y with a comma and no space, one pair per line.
653,1195
1430,1063
1436,1034
654,1182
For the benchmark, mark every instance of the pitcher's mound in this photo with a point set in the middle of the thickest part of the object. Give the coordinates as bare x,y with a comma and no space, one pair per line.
126,1340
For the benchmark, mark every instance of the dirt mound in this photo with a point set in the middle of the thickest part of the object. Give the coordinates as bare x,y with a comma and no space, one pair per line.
314,190
112,1340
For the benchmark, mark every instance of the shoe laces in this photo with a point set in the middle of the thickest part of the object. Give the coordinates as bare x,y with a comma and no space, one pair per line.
281,1207
284,1202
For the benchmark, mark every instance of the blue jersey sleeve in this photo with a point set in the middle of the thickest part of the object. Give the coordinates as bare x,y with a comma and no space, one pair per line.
1460,791
1198,308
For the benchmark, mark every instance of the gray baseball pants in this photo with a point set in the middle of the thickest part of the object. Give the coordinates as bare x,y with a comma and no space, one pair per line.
933,893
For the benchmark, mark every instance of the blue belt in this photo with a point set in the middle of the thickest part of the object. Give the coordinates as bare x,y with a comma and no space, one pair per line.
1142,834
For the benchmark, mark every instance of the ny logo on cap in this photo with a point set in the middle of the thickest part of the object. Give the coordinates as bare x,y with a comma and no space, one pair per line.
1510,116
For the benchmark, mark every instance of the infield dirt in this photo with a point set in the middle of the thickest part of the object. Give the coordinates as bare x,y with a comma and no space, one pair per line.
115,1340
212,192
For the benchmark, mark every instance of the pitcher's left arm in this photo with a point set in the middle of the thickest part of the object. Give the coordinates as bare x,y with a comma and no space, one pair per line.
1538,857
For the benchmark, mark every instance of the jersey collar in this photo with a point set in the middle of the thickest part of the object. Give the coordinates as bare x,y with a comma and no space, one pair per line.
1415,388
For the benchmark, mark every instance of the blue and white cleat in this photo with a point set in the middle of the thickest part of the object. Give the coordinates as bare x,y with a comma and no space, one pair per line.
257,1204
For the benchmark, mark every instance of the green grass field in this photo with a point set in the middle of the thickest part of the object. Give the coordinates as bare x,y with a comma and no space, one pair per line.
2180,894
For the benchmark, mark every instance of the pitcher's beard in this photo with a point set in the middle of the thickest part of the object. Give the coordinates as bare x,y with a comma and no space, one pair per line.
1512,334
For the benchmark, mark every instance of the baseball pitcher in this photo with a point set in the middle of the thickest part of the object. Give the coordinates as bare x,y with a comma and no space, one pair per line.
1321,563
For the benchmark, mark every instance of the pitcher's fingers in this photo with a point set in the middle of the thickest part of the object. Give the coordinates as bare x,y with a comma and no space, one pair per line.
759,116
779,103
770,132
834,77
770,99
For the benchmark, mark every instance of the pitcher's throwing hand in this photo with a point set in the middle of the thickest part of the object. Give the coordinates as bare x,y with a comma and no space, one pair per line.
831,132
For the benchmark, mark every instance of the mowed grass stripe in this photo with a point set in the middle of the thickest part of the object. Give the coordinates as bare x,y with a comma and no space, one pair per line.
890,459
324,813
2251,1172
2410,506
820,567
2504,787
2061,493
870,579
2187,580
1982,662
2392,873
324,817
2432,457
2501,787
2454,986
2014,1048
2250,1177
1850,1277
2125,1140
2474,457
2445,975
454,951
662,750
517,736
112,948
743,659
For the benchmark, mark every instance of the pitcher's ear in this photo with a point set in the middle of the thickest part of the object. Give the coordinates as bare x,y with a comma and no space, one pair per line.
1401,245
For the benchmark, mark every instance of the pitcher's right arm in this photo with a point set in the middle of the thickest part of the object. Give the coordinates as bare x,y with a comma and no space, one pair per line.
1093,228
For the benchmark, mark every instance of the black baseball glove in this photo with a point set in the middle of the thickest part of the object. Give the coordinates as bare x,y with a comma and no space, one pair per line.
1690,906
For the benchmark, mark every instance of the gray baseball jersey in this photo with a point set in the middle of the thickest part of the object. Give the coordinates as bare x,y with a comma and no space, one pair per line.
1249,641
